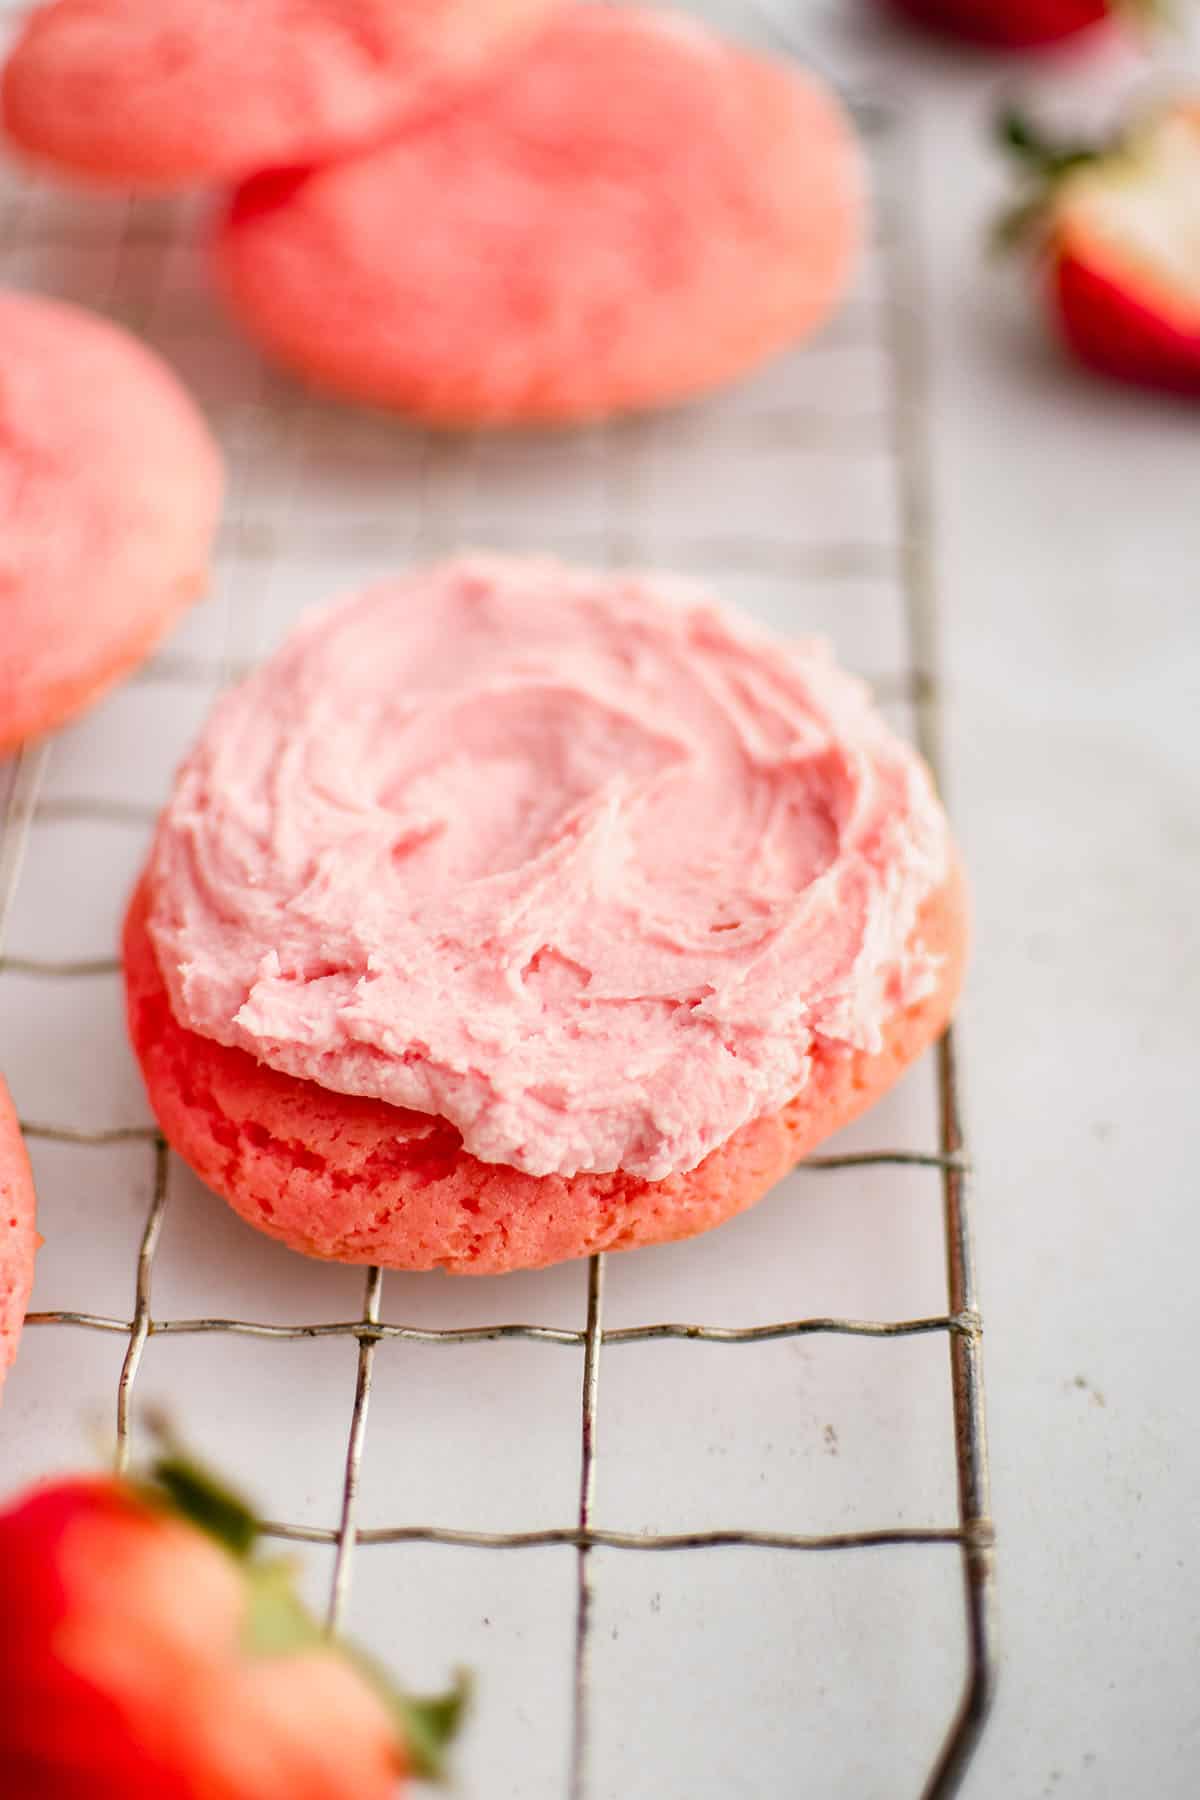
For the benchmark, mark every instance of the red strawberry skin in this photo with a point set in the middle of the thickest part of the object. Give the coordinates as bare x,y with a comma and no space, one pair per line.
1113,329
123,1676
1006,24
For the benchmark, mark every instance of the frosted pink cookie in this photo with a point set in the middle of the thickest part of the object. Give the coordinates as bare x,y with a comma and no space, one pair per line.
163,93
110,489
635,213
18,1236
359,1181
513,911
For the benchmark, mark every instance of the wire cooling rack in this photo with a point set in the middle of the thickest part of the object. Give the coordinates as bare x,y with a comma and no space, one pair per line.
780,454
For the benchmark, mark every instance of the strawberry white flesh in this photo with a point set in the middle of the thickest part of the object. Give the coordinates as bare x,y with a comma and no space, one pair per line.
1138,217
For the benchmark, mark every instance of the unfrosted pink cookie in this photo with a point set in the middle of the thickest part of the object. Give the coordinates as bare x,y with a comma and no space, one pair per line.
636,212
110,489
164,93
513,911
18,1235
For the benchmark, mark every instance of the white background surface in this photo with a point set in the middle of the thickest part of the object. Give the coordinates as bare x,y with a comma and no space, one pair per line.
1067,545
1068,555
1067,537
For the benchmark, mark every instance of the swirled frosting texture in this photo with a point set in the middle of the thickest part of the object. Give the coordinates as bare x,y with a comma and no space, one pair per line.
584,863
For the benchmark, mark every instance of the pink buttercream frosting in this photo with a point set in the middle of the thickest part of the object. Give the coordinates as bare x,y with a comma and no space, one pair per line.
585,863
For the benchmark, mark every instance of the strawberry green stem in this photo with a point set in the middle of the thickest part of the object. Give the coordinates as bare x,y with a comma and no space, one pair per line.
197,1496
1047,163
1043,156
277,1622
429,1725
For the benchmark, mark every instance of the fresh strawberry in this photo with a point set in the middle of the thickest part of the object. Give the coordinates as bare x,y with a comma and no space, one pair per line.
1119,228
1019,24
148,1653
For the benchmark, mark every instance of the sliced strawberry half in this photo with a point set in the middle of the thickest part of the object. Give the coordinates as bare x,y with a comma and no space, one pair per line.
1119,228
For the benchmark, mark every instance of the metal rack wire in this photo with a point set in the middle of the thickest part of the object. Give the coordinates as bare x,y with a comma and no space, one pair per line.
970,1533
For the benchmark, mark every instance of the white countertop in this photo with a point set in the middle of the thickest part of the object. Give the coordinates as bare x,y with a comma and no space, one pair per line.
1067,532
1066,539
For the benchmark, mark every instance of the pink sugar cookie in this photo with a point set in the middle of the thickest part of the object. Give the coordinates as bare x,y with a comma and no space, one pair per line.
358,1181
163,93
634,213
18,1237
513,910
110,489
